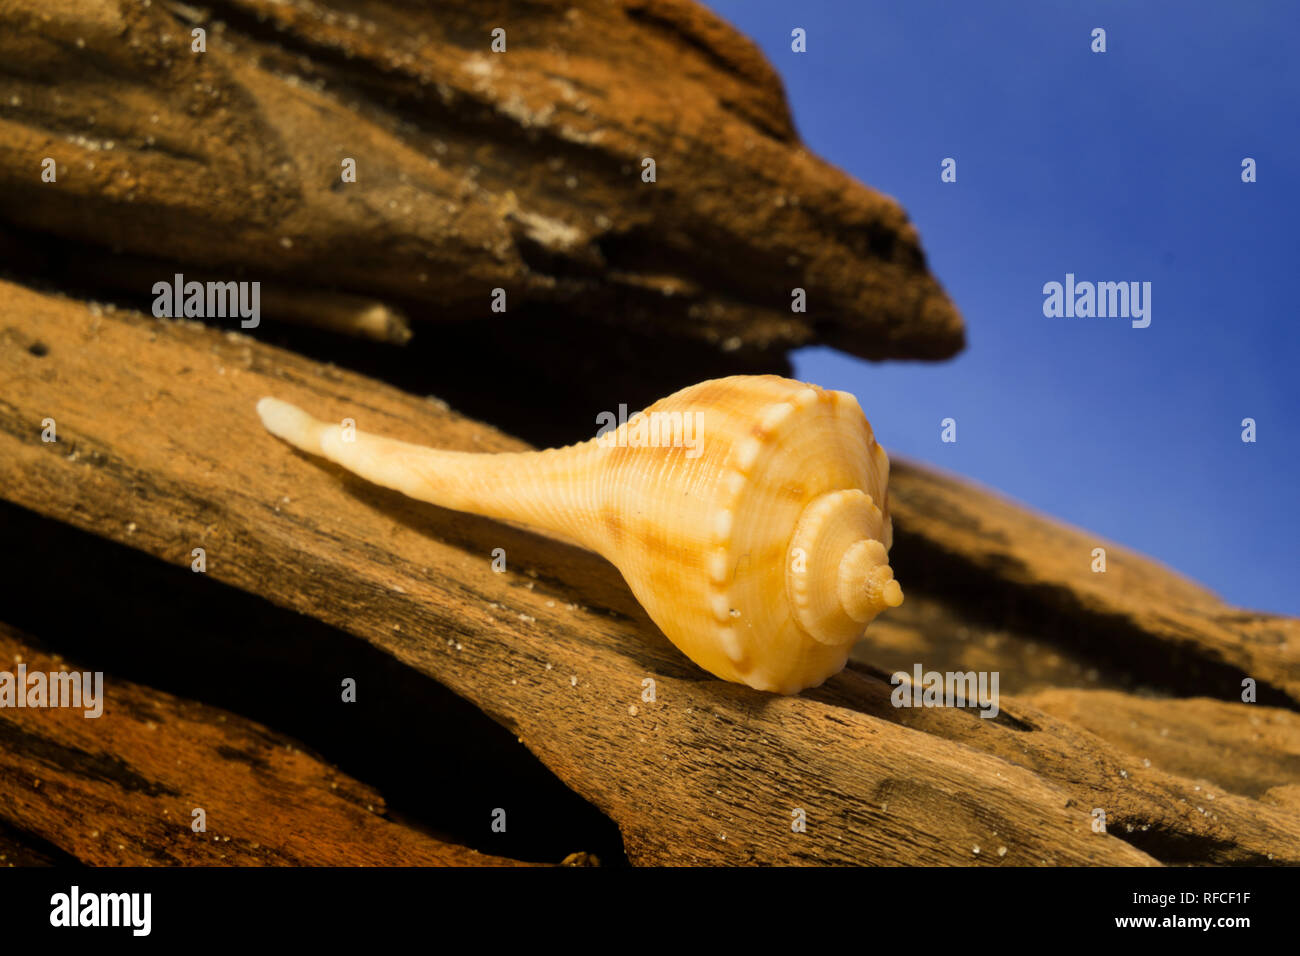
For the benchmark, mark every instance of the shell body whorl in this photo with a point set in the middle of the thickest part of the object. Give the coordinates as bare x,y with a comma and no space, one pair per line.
708,544
749,515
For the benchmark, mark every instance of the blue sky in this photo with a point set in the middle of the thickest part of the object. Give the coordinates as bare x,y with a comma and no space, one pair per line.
1122,166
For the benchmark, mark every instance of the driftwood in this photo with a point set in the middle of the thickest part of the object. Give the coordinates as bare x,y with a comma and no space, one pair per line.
475,170
1161,628
159,448
1251,751
121,789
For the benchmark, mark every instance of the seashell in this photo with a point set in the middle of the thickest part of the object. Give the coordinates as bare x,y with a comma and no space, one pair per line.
748,515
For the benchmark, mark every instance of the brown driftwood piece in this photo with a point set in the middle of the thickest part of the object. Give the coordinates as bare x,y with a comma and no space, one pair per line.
1247,749
475,170
936,629
1138,611
707,760
1175,819
120,789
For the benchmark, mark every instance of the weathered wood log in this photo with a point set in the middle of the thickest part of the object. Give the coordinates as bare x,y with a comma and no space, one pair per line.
1248,750
1162,628
120,789
1175,819
159,448
519,170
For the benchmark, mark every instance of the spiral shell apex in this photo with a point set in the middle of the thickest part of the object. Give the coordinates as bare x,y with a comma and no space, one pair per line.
749,515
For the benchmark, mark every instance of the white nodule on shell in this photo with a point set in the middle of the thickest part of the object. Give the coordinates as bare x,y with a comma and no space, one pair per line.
731,644
722,524
774,416
806,399
847,398
718,566
747,454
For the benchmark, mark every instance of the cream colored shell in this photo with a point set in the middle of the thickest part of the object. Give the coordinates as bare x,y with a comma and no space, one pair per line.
761,551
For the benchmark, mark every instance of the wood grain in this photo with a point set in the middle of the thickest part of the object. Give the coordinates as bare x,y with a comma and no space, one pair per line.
1242,748
120,789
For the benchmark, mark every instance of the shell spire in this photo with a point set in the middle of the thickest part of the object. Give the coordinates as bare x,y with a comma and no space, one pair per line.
838,538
